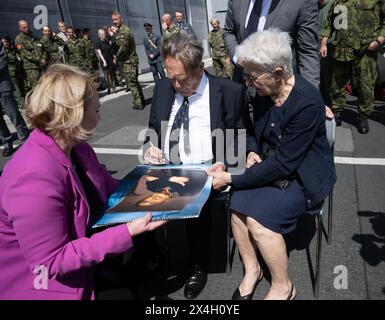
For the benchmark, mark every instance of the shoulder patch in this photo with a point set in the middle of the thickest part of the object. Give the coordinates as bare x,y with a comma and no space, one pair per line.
19,46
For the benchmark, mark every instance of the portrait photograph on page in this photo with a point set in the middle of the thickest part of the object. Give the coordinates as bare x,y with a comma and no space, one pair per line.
168,192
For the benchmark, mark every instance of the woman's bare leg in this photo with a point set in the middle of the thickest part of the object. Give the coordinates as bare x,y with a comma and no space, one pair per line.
273,250
247,250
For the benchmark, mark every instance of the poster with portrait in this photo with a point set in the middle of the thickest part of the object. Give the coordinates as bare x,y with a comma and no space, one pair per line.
170,192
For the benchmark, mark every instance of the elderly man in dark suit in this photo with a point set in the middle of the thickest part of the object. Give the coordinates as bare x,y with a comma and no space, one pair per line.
7,101
298,17
197,104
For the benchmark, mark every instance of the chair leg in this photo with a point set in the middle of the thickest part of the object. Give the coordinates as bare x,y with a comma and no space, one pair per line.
228,217
330,218
318,255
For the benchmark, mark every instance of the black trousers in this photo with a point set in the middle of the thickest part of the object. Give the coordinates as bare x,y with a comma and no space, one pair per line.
157,71
202,241
8,104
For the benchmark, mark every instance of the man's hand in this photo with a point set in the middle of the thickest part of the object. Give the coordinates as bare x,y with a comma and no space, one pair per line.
154,156
252,159
164,26
142,225
324,47
221,179
217,167
180,180
329,113
373,46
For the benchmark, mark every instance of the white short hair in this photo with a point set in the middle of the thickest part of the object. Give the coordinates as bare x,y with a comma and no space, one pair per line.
267,49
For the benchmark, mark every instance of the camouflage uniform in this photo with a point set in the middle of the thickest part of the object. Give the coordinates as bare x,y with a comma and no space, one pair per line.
173,29
221,60
127,55
33,56
366,22
76,53
91,61
56,48
16,73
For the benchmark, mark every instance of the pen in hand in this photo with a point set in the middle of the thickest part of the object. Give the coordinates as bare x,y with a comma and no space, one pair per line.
159,157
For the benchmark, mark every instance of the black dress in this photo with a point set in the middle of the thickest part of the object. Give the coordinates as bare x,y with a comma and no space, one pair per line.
276,209
107,53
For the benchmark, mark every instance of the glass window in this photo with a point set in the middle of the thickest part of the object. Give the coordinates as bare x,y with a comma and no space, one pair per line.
92,14
171,6
138,12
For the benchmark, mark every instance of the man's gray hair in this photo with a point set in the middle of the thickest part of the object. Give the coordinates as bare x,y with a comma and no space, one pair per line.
183,48
267,49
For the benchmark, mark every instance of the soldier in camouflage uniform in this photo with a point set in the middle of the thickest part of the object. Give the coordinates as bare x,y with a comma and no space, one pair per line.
15,70
32,54
91,60
221,60
127,54
356,46
55,47
76,53
169,28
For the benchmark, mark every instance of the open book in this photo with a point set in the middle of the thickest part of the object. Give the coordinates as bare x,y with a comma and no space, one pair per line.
169,192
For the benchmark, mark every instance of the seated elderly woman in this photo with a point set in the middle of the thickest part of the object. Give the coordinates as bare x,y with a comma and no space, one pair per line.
289,164
48,192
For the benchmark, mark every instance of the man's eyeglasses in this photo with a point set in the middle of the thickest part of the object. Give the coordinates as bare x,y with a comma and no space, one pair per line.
253,77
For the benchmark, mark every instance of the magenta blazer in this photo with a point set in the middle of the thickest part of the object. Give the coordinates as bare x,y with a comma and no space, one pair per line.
43,219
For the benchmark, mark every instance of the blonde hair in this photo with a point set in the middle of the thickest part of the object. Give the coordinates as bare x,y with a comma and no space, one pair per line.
56,105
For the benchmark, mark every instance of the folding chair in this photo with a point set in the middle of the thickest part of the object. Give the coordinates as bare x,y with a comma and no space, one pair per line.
318,213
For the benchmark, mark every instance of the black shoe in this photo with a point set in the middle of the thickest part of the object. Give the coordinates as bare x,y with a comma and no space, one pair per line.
363,125
195,284
237,293
338,119
8,149
291,295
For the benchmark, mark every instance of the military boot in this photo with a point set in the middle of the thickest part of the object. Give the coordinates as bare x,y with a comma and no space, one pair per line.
363,124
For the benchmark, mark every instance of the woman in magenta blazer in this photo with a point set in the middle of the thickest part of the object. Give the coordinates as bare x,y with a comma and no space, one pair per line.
48,191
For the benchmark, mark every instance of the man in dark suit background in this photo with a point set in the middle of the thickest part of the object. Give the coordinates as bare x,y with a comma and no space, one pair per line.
7,101
192,104
298,17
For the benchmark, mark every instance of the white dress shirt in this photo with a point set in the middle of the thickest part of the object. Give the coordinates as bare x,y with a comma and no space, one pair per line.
265,11
199,125
262,19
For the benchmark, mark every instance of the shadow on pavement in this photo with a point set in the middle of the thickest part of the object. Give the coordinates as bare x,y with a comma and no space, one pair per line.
373,245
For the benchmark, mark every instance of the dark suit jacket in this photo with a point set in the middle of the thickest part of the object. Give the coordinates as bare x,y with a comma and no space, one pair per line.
5,81
227,109
298,17
303,148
